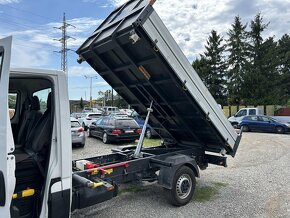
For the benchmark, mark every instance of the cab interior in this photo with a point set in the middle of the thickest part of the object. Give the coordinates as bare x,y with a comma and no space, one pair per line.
31,111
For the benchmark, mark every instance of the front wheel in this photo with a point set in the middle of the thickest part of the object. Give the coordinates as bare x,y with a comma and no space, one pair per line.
245,128
183,187
84,126
280,130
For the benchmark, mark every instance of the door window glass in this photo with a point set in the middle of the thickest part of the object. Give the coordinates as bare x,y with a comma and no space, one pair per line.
99,121
12,100
42,96
265,119
242,113
254,118
252,112
105,121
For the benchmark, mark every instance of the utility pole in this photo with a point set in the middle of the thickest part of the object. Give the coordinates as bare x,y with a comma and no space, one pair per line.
91,86
63,41
112,97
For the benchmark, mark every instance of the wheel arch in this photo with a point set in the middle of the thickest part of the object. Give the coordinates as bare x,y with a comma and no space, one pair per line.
166,173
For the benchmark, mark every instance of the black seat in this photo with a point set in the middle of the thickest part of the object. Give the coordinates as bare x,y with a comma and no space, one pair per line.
31,115
39,137
22,127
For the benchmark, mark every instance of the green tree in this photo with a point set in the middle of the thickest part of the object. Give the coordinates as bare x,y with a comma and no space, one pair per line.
82,104
284,65
254,90
214,56
237,59
202,68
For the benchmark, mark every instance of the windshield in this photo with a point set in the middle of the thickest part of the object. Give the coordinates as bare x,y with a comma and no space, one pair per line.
94,115
127,123
75,124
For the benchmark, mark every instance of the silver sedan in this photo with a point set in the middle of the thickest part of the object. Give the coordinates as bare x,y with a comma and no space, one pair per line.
77,133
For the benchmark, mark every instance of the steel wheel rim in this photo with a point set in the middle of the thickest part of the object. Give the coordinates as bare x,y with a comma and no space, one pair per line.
148,133
105,138
183,186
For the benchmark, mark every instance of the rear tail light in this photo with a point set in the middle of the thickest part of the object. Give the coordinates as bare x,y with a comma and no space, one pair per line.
81,129
88,118
117,132
138,131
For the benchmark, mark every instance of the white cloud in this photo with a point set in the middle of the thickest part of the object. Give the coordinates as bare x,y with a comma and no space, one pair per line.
5,2
191,21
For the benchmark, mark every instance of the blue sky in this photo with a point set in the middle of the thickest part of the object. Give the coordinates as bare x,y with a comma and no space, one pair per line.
31,23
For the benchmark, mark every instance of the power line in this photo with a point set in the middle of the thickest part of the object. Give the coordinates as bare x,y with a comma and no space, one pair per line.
91,86
29,12
63,41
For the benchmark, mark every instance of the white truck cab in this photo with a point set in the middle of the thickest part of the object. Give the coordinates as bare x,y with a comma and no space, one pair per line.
234,120
35,162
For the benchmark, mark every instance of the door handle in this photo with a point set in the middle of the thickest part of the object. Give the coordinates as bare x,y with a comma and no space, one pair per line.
2,190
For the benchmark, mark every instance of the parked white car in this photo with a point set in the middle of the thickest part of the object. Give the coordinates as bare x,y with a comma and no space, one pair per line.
88,118
237,118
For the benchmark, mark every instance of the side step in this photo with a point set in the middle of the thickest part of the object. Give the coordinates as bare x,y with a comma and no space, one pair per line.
90,192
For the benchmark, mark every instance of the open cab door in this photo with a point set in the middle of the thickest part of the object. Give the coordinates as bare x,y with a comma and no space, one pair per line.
7,160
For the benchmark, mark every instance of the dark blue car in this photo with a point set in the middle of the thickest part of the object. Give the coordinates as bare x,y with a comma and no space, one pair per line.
263,124
150,132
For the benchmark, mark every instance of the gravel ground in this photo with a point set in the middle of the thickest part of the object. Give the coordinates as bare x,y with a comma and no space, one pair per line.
255,184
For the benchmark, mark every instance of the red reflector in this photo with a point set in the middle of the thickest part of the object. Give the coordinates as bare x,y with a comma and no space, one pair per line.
89,118
81,129
117,132
139,131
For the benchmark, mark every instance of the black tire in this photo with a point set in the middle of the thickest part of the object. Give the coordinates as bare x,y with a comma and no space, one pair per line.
89,133
148,134
235,125
82,145
105,138
183,187
245,128
279,129
84,126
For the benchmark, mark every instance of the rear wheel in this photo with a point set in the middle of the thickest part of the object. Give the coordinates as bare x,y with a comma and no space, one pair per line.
245,128
105,138
280,130
183,187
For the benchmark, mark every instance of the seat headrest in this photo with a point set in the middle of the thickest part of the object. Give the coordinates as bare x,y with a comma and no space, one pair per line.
35,105
48,102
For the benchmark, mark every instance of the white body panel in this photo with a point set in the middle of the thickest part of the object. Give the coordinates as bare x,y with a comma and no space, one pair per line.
61,151
7,161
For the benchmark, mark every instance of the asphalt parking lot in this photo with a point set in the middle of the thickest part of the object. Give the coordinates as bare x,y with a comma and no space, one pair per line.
256,183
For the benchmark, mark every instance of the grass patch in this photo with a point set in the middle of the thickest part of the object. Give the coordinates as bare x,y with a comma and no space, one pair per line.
134,189
151,142
207,193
